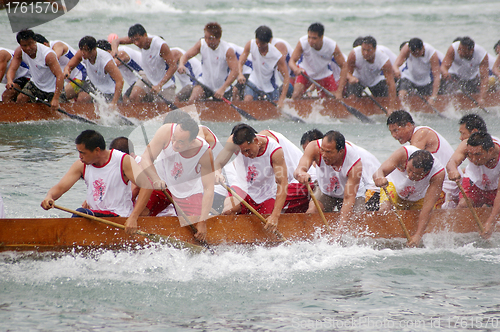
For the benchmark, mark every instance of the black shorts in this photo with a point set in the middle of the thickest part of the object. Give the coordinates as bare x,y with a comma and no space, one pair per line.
407,85
32,90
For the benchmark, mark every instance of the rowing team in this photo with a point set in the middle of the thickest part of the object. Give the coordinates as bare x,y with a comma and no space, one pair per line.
185,164
39,67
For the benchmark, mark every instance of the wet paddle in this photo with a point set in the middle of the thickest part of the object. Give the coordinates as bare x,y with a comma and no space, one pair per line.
94,96
350,109
261,218
239,110
376,102
432,107
471,208
60,110
401,222
474,100
321,214
178,244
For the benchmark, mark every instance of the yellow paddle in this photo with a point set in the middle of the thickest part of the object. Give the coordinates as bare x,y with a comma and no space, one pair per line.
401,222
321,214
469,205
178,244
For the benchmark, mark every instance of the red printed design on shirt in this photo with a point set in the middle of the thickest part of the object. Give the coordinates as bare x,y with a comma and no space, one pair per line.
99,189
334,184
177,171
252,174
407,192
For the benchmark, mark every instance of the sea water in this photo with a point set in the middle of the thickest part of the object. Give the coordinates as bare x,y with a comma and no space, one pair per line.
452,283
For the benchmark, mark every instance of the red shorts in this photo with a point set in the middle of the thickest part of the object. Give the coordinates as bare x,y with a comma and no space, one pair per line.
297,198
265,207
190,205
327,82
478,196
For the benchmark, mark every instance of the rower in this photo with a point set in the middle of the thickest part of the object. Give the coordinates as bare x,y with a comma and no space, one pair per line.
187,84
157,61
262,173
21,77
102,71
316,52
465,67
47,79
368,66
108,175
238,88
403,129
185,163
219,65
266,59
416,184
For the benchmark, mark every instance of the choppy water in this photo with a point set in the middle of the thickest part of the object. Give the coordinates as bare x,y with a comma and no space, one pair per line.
451,284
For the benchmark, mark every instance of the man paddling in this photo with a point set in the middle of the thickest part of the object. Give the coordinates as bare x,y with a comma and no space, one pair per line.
108,175
21,77
417,182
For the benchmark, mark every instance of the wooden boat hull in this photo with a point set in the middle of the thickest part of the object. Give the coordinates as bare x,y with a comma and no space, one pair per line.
216,111
80,233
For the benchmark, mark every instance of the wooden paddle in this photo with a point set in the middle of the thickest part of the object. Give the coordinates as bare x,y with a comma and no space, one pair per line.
321,214
469,205
261,218
401,222
243,113
350,109
376,102
474,100
60,110
178,244
432,107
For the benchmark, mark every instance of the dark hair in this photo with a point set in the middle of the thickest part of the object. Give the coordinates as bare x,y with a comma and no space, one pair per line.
243,133
214,29
311,135
496,45
136,29
40,39
264,34
473,121
89,42
318,28
467,42
415,44
190,125
457,39
337,137
104,45
370,40
402,45
481,138
91,139
422,159
175,116
400,117
122,144
25,35
357,42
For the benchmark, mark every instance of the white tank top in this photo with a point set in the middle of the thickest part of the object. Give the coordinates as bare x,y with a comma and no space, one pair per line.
182,175
264,66
22,71
483,177
335,67
193,66
106,188
467,69
135,63
153,64
41,75
418,70
387,51
332,181
289,50
214,65
370,166
96,72
256,176
79,72
413,190
316,62
369,74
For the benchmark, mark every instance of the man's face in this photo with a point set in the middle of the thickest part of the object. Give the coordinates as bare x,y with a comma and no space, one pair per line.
401,134
140,41
464,132
28,47
314,40
212,41
88,54
464,52
329,152
180,139
415,174
477,155
418,53
263,47
250,150
368,52
86,156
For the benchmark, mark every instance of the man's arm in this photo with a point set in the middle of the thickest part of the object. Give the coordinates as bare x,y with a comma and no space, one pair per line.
232,63
74,173
14,66
53,64
496,67
396,159
391,84
430,199
160,140
456,160
340,60
119,41
483,76
222,159
447,62
280,174
311,153
122,55
193,51
350,191
402,57
297,53
112,69
283,69
241,63
171,61
436,77
489,225
60,49
4,60
425,139
208,180
75,61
